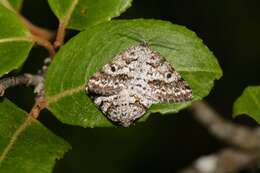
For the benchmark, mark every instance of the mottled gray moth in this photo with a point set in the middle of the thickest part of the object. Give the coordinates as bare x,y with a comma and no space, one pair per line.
135,79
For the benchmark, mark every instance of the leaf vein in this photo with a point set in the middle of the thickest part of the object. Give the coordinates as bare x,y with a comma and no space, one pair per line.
13,39
68,92
14,137
67,17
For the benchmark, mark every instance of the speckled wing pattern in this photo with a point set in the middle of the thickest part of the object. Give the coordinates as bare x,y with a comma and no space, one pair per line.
135,79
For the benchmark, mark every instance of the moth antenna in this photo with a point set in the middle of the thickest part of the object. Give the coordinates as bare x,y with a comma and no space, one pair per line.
139,37
164,45
157,41
145,42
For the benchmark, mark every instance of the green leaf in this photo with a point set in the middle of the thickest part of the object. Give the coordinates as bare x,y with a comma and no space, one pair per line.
17,4
26,146
87,12
248,103
15,41
86,53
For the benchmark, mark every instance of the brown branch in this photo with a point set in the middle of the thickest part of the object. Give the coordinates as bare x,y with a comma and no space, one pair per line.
60,35
225,161
38,107
240,136
44,43
245,144
40,102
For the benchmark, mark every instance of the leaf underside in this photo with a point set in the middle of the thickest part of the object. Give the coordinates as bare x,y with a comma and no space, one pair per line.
86,53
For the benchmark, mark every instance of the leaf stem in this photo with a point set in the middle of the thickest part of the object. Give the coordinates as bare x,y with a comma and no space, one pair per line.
60,35
36,30
44,43
63,23
38,107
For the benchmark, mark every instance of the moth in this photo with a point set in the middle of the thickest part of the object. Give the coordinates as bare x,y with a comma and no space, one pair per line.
138,77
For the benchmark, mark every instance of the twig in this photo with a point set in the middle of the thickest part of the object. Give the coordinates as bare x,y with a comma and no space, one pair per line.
60,35
36,30
225,161
39,105
240,136
245,141
46,63
44,43
25,79
40,102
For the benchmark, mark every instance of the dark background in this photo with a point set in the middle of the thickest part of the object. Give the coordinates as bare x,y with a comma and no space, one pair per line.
230,28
